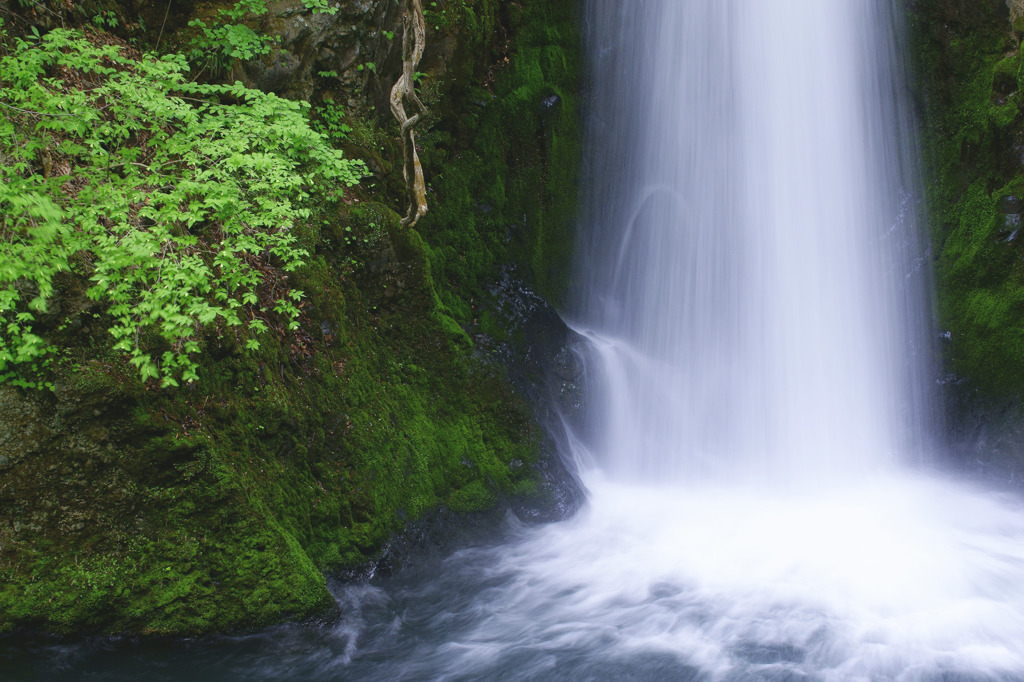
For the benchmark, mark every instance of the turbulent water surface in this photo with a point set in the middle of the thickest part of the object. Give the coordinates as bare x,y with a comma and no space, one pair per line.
753,316
881,578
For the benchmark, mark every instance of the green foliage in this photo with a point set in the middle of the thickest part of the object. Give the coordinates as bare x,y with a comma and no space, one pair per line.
217,508
330,122
475,17
970,69
108,19
178,208
320,6
291,463
227,40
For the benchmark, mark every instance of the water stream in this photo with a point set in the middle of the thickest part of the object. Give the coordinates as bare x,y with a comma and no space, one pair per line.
754,318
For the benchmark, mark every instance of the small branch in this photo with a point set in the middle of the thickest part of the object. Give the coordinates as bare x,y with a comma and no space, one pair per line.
162,24
37,113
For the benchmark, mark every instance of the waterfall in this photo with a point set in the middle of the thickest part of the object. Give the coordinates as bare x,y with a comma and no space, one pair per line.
750,269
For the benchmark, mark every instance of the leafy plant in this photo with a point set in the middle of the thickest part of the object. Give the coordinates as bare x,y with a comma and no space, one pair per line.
176,207
102,19
320,6
222,42
330,122
475,18
229,39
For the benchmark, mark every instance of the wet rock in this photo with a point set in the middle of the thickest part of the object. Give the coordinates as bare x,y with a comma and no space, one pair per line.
1010,204
549,107
1007,236
544,370
283,71
985,437
1016,156
374,163
22,426
430,539
312,42
549,102
1003,85
53,315
567,366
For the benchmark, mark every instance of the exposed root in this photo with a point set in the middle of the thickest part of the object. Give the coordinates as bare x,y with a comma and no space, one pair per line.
414,30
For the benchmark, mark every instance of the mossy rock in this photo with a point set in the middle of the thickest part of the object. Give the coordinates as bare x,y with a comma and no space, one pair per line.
970,66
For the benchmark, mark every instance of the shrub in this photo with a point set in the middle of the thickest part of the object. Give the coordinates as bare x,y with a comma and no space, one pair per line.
175,199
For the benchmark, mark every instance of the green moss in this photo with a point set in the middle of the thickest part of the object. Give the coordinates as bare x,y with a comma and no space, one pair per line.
230,501
471,497
971,69
511,194
476,19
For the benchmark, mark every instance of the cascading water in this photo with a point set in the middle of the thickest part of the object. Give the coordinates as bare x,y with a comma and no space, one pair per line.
748,251
754,306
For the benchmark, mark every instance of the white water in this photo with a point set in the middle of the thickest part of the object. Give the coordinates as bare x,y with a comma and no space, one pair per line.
755,309
883,578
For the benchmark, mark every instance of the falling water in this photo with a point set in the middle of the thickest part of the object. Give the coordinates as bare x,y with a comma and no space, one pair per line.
748,257
755,314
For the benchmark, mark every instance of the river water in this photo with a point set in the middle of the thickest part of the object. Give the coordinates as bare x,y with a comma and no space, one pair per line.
753,314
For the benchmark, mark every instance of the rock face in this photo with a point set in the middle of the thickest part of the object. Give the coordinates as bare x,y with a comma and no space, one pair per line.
969,66
359,50
549,374
1016,10
310,43
129,508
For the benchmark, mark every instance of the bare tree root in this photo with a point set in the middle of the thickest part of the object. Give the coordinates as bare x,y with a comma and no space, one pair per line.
414,30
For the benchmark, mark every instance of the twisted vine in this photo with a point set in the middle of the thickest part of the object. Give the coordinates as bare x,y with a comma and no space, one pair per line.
414,29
